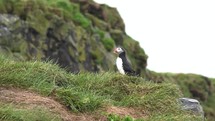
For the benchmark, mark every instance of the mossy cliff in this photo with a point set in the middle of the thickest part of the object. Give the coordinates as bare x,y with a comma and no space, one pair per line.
79,35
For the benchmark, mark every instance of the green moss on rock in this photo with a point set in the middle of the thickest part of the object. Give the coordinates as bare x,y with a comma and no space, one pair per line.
108,43
97,22
112,16
38,21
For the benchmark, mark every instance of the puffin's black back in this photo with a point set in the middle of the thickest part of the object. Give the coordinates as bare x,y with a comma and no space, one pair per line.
126,65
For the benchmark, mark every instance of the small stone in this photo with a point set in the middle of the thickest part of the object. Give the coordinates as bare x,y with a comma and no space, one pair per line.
191,105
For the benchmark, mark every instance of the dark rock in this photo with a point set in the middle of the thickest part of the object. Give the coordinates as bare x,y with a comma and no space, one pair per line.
191,105
4,31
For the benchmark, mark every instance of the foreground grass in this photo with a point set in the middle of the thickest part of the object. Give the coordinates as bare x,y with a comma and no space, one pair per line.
10,112
87,92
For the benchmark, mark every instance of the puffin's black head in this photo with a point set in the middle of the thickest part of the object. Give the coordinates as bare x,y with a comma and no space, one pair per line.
119,50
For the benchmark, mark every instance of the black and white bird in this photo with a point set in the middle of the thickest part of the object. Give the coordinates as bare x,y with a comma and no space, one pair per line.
122,64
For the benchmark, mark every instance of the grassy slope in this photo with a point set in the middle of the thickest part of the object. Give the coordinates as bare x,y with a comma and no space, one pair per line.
87,92
201,88
194,86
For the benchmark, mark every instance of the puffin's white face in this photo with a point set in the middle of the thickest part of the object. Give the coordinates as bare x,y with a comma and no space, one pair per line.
118,50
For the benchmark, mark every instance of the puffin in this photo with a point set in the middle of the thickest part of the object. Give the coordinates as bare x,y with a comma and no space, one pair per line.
122,63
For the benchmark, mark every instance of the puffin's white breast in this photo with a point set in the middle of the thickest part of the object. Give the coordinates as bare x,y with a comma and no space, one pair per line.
119,65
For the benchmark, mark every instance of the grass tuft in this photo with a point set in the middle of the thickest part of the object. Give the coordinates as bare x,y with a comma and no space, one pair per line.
10,112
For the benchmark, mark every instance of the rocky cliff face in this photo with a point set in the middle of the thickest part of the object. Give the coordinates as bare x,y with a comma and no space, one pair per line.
78,35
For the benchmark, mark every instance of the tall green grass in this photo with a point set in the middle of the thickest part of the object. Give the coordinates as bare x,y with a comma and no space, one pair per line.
167,117
88,92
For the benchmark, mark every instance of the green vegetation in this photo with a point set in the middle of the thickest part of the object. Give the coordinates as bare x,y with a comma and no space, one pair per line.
178,117
201,88
108,43
194,86
113,117
88,92
38,12
10,112
51,24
